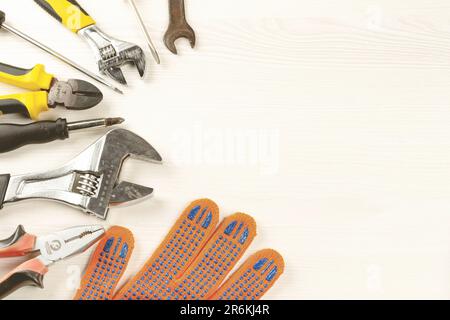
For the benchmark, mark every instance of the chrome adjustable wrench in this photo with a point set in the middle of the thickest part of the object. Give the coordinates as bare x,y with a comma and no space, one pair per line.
91,180
111,53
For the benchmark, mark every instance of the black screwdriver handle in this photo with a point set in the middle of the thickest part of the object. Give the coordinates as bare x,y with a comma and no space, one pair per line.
14,136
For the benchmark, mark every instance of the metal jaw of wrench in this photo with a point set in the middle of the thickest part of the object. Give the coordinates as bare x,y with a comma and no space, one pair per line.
178,26
90,181
112,53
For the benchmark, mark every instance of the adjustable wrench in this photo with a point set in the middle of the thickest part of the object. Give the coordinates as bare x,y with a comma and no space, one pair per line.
90,181
111,53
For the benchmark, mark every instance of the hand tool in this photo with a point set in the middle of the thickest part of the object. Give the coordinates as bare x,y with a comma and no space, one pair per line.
111,53
49,92
145,31
178,26
90,181
54,53
14,136
191,263
46,249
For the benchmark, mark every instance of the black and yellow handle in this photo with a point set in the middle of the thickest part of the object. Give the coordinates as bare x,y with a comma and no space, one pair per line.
68,12
29,104
34,79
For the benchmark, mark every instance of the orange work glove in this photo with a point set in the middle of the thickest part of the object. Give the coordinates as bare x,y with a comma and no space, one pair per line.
191,263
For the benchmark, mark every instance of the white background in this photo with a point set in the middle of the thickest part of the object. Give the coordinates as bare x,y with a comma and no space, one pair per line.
338,113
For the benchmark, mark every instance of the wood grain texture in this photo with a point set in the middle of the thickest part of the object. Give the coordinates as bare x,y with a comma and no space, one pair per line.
328,121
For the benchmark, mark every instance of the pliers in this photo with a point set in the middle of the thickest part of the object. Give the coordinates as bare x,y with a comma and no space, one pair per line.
48,92
46,249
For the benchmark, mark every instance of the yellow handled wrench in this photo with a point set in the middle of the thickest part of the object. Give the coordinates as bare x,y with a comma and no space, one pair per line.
110,53
47,93
68,12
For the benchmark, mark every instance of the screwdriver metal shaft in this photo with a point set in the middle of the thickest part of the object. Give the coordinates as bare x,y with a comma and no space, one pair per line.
145,31
86,124
58,56
14,136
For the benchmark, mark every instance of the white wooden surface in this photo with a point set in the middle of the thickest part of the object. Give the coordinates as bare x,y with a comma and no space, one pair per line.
328,121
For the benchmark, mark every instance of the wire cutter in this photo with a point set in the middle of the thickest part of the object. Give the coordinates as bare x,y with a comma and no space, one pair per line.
46,250
48,92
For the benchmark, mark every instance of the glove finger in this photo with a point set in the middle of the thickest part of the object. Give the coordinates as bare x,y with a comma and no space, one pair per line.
107,265
254,278
217,258
174,255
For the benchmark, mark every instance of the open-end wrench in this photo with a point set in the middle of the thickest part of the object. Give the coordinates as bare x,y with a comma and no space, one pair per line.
178,26
91,180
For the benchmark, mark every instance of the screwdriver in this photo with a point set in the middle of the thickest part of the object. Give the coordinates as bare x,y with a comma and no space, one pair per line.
14,136
145,31
54,53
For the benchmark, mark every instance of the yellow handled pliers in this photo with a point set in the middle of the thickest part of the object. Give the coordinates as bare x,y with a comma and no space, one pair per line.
47,93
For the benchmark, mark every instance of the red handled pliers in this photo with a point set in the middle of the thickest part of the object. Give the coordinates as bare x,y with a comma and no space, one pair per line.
46,250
